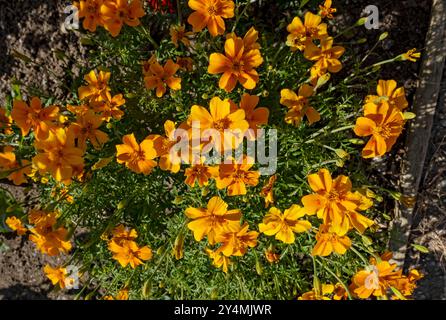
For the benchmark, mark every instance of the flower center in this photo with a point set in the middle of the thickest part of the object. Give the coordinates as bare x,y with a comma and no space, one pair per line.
222,124
237,66
212,10
384,132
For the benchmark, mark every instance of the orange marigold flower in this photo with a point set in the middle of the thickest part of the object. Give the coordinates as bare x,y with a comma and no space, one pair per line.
235,240
17,171
283,226
164,146
210,221
271,256
236,176
249,40
327,56
49,239
121,234
40,119
58,276
219,260
110,109
335,203
178,34
302,34
384,124
128,252
90,10
86,128
163,77
389,93
136,157
97,89
299,105
119,12
200,173
122,294
15,224
374,280
59,156
230,125
256,117
237,65
5,121
210,13
267,191
326,11
329,242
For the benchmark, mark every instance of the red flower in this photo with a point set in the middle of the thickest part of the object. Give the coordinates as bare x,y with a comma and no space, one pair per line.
162,5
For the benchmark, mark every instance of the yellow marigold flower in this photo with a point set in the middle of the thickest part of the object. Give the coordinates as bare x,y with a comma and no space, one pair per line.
16,224
340,293
374,280
219,260
110,108
384,124
178,34
267,191
329,242
235,240
387,92
59,156
335,203
5,122
236,65
90,10
236,176
327,56
283,226
222,119
119,12
123,294
326,11
411,55
48,239
97,88
318,293
210,221
163,77
40,119
299,105
86,128
128,252
185,63
301,34
17,171
256,117
136,157
58,276
210,14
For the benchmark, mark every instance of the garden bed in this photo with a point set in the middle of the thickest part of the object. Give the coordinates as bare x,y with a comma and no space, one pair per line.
406,23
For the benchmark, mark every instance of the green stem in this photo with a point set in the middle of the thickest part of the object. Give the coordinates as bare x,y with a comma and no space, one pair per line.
337,278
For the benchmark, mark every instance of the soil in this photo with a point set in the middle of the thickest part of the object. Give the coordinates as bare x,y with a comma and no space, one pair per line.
33,28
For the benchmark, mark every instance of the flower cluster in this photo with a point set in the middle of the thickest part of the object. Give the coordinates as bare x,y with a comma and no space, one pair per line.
221,227
110,14
124,248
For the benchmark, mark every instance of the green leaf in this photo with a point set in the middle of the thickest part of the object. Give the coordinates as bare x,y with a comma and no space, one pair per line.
420,248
